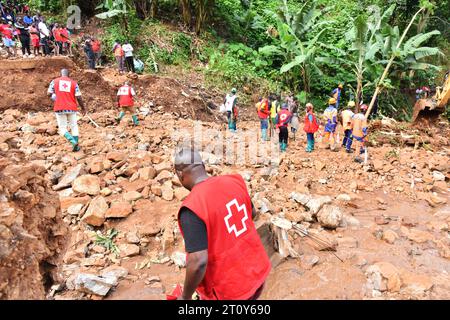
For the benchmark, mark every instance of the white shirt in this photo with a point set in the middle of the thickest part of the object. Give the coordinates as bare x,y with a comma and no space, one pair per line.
43,30
229,102
128,49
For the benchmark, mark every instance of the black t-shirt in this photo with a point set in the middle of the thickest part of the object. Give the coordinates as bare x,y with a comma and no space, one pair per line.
194,231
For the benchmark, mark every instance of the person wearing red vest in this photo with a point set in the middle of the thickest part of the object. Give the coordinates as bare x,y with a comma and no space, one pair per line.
226,259
283,119
311,126
262,107
66,96
125,101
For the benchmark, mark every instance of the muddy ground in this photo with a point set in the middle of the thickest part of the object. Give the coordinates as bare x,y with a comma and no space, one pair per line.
391,234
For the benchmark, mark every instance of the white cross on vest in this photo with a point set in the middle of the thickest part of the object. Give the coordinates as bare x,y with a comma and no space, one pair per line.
124,91
238,215
65,86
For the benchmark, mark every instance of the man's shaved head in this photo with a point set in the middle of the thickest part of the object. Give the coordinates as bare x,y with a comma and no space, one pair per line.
64,72
189,167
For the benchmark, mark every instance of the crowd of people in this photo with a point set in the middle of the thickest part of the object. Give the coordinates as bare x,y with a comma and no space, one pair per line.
278,115
35,35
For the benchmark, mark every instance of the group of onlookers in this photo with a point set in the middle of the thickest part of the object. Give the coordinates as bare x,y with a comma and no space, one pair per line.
33,32
124,56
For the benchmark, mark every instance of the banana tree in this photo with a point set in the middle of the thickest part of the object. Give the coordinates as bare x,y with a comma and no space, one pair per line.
366,43
295,47
114,8
408,54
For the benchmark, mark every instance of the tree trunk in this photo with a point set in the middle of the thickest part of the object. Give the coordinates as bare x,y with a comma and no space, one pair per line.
142,8
202,14
154,8
186,12
386,70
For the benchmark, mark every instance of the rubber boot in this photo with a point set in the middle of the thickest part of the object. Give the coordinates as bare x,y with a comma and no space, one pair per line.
308,146
72,141
264,134
312,145
135,120
121,115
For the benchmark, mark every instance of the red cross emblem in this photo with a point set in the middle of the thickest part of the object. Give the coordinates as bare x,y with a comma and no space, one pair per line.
65,86
236,218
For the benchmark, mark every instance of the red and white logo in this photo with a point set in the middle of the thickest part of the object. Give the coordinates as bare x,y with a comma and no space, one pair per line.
236,218
65,86
283,117
124,91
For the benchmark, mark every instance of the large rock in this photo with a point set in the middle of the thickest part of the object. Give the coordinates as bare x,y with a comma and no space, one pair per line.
415,284
128,250
132,196
93,284
69,177
147,173
87,184
438,176
390,236
119,210
167,191
181,193
419,236
330,216
383,276
163,166
313,203
95,214
179,258
116,156
114,271
163,176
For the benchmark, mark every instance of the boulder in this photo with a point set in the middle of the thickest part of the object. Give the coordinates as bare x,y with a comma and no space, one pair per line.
330,216
390,236
128,250
95,214
75,209
119,210
156,190
116,156
163,176
383,276
114,271
419,236
438,176
179,258
147,173
181,193
415,284
163,166
132,196
87,184
167,191
69,177
93,284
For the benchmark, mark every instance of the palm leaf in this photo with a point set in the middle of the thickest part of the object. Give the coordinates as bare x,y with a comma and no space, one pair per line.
417,40
297,61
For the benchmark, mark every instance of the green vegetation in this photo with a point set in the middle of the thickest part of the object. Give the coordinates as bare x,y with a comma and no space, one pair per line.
301,46
107,240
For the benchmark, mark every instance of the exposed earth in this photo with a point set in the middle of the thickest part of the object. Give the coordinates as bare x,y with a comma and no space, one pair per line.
388,220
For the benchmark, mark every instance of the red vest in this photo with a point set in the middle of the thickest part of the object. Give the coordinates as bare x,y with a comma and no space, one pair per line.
237,262
311,127
125,97
283,117
263,111
65,94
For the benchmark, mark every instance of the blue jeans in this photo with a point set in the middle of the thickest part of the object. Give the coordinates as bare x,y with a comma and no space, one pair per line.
347,139
264,123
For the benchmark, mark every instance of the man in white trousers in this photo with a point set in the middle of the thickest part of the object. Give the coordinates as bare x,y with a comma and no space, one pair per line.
67,96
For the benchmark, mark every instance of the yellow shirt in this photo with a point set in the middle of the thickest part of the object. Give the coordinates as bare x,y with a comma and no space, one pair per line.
347,119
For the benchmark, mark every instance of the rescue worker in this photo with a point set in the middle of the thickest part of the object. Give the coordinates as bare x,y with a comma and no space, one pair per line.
262,108
230,107
283,119
347,115
311,127
65,93
330,117
337,94
274,109
359,133
125,101
226,259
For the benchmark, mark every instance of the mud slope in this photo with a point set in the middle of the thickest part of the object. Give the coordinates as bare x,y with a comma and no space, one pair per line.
25,82
32,233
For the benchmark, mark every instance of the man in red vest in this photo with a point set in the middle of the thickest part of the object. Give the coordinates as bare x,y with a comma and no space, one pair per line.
66,95
283,119
262,107
125,101
311,126
225,256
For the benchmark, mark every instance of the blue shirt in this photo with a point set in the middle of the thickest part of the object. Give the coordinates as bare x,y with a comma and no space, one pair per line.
27,20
